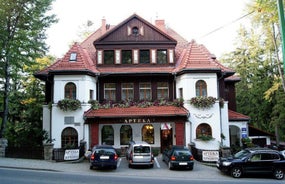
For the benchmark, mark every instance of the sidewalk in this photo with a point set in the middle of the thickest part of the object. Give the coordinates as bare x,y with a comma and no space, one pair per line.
78,166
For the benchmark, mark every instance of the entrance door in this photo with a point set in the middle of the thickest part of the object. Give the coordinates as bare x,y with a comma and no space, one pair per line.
165,139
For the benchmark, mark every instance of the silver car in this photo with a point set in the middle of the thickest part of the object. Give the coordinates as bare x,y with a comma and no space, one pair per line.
139,153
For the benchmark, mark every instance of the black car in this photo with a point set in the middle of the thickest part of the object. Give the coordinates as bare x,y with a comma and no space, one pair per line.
178,157
255,161
103,156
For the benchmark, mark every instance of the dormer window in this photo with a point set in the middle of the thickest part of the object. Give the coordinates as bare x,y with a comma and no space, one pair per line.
73,56
135,31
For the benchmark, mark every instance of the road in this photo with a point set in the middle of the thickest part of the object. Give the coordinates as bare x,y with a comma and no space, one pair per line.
21,176
158,174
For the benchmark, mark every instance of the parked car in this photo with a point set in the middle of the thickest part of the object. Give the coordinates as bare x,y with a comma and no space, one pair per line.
139,153
178,157
103,156
254,160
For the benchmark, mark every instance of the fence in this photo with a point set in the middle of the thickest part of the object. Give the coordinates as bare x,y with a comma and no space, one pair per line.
25,152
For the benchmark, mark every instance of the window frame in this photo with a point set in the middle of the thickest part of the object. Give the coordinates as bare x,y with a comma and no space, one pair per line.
129,91
143,90
128,132
203,129
106,135
125,57
201,88
158,56
109,59
69,138
70,91
161,89
108,92
144,57
148,133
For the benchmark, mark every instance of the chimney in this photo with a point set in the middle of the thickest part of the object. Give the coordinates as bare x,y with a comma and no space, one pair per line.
160,24
103,26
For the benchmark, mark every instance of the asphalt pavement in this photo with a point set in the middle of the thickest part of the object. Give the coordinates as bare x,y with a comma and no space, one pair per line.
82,166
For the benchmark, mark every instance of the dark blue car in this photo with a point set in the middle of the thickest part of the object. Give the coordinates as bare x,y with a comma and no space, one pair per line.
103,156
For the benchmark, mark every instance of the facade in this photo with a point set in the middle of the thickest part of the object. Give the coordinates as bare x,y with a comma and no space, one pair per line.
130,80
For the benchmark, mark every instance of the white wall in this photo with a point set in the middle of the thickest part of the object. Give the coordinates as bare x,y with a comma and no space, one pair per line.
83,85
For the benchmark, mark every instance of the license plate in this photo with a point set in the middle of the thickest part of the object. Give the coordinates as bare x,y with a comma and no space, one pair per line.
139,156
104,157
183,163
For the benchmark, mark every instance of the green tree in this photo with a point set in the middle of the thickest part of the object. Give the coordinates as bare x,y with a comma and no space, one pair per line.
22,34
256,60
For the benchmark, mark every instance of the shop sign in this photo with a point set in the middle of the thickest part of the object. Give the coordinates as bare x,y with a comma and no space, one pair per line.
71,154
137,120
210,156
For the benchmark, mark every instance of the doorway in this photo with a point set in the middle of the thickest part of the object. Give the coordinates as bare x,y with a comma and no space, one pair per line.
165,139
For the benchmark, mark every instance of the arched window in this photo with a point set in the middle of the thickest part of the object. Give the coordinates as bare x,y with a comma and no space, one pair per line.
69,138
107,135
148,133
126,134
70,91
201,88
203,131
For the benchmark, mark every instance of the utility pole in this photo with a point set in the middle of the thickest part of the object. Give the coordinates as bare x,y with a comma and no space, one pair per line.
282,26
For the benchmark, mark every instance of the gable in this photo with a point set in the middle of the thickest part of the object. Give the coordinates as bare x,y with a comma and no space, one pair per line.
135,31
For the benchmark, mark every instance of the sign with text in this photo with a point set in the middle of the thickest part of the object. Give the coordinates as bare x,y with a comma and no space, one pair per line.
210,156
71,154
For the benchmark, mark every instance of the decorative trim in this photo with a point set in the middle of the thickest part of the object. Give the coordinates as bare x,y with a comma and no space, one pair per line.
203,116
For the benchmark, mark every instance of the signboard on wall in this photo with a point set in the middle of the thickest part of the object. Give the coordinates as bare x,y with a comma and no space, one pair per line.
71,154
210,156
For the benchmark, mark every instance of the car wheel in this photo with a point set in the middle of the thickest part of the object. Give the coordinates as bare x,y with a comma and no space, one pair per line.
114,167
91,167
130,166
278,174
170,166
190,168
151,166
236,172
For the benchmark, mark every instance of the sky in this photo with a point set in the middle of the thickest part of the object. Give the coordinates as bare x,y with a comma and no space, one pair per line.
209,22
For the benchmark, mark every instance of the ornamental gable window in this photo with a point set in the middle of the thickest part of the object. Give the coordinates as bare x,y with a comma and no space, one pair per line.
69,138
110,91
127,91
144,57
201,88
107,134
162,90
70,91
109,57
127,56
145,91
161,56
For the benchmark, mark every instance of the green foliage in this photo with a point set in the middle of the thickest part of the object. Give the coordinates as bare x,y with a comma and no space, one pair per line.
256,61
129,103
69,104
203,102
205,137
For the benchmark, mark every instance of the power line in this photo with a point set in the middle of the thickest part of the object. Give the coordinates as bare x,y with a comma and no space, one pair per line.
225,25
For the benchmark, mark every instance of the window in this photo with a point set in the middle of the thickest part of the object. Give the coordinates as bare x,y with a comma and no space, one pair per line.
135,31
201,88
73,56
162,90
126,134
148,133
145,91
110,91
107,135
69,138
127,56
109,57
70,91
91,94
127,91
203,130
144,56
161,56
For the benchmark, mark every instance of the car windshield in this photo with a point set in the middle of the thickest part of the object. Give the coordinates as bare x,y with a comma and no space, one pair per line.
141,149
181,153
241,154
105,151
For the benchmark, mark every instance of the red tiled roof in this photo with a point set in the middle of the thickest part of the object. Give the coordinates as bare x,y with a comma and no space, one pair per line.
235,116
136,112
197,57
82,63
